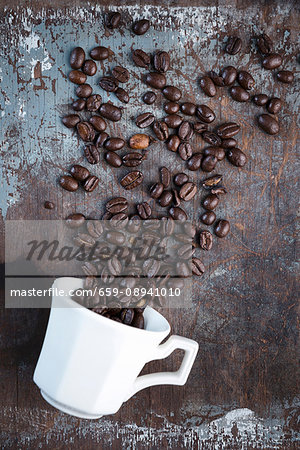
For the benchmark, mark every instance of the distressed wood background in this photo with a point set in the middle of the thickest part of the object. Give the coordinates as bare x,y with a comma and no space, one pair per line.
242,391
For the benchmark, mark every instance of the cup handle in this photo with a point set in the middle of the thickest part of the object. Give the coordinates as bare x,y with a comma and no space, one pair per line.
180,376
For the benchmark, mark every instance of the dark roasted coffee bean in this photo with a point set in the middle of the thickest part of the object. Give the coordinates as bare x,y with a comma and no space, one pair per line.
212,181
161,130
173,120
218,191
102,137
77,58
121,74
260,99
229,75
141,26
138,320
134,224
228,129
114,144
185,131
188,108
211,202
156,190
107,216
98,123
197,267
84,239
274,105
77,77
176,198
115,237
78,172
208,163
246,80
99,53
91,183
264,44
205,240
144,210
181,178
86,131
233,45
109,84
222,228
75,220
217,79
177,213
205,114
285,76
165,199
114,265
113,159
165,176
239,94
211,138
194,162
228,143
208,217
133,159
236,157
218,152
93,103
161,61
119,221
155,80
91,153
79,104
110,112
188,191
171,107
71,120
185,251
84,91
144,120
140,141
112,19
272,61
151,267
200,127
268,124
208,86
69,183
95,228
131,180
122,95
140,58
172,93
149,97
89,67
185,151
116,205
173,143
49,205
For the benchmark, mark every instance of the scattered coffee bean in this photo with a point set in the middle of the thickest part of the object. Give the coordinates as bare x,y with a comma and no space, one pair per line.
75,220
113,159
165,176
218,191
208,217
208,163
86,131
144,120
228,143
91,153
205,114
144,210
101,139
171,107
217,79
156,80
165,199
274,105
84,91
185,151
229,75
122,95
176,198
71,120
98,123
121,74
222,228
93,103
177,213
77,77
260,99
133,159
68,183
233,45
91,183
99,53
205,240
211,202
173,143
156,190
161,130
161,61
114,144
272,61
110,112
172,93
211,138
78,172
173,120
149,97
212,181
197,267
218,152
108,83
89,67
188,108
236,157
285,76
112,19
246,80
188,191
141,27
185,131
239,94
140,141
79,104
194,162
181,178
228,130
199,127
268,124
49,205
264,44
116,205
115,237
131,180
140,58
208,86
77,58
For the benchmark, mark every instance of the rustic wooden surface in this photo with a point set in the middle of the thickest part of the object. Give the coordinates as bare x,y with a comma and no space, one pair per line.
242,391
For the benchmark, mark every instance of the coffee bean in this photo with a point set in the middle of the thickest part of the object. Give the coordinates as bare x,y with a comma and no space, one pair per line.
49,205
131,180
246,80
185,151
79,104
165,176
156,80
208,163
177,213
133,159
113,159
208,217
91,183
99,53
199,127
194,162
115,237
98,123
77,58
140,58
171,107
91,153
212,181
172,93
173,143
268,124
160,129
84,91
144,120
69,183
114,265
102,137
185,251
181,178
176,198
188,191
121,74
197,267
149,97
185,131
188,108
114,144
78,172
260,99
228,129
86,131
161,61
272,61
93,103
116,205
156,190
84,239
77,77
144,210
222,228
112,19
89,67
211,138
108,83
218,152
166,198
95,228
274,105
134,224
140,141
233,45
211,202
208,87
110,112
285,76
122,95
107,216
228,143
173,120
141,26
75,220
236,157
205,240
264,44
71,120
138,321
229,75
205,114
217,79
239,94
218,191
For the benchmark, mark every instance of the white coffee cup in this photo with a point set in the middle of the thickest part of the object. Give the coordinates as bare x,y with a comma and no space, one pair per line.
89,364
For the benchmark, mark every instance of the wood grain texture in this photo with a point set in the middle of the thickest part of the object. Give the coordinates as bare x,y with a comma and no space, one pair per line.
242,391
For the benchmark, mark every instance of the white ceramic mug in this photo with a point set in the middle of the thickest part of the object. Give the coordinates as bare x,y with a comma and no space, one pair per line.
89,364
